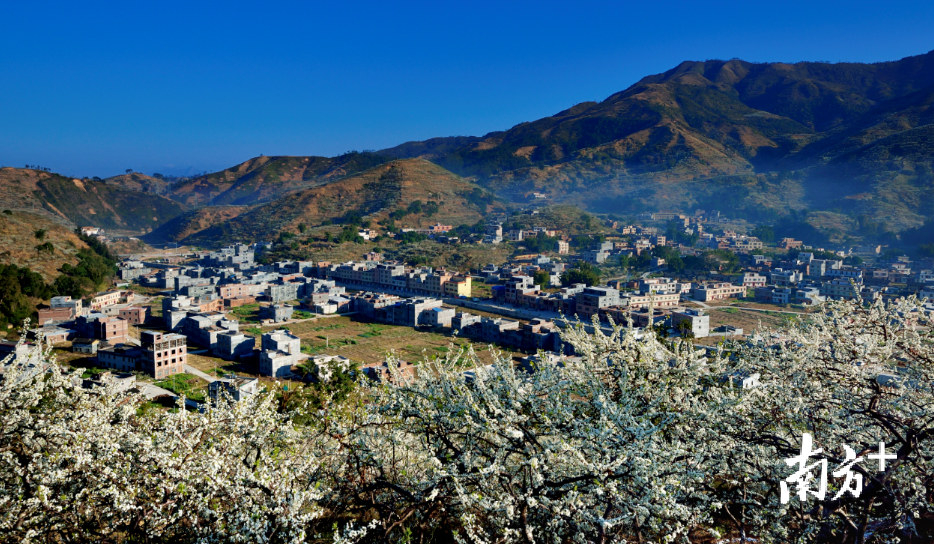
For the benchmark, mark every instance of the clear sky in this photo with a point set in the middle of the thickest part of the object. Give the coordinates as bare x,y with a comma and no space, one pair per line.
93,89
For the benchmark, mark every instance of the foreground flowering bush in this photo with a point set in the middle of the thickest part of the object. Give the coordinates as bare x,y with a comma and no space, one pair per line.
640,440
77,466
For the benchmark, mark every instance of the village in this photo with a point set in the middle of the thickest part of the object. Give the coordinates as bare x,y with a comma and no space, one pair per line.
201,322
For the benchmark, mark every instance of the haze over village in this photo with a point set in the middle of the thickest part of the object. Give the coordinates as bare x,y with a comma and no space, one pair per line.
626,321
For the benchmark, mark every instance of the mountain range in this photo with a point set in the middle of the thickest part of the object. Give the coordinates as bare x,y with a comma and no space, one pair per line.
755,140
847,137
373,194
120,207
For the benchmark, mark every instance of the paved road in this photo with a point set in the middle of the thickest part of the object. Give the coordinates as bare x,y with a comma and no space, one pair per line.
198,373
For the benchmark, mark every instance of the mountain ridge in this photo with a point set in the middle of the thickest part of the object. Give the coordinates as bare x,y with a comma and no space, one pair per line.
84,201
704,121
369,195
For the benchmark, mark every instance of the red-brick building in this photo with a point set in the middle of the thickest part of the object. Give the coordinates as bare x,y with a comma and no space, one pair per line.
55,314
112,330
164,354
135,315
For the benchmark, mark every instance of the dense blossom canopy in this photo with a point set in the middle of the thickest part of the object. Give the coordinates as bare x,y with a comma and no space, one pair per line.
640,439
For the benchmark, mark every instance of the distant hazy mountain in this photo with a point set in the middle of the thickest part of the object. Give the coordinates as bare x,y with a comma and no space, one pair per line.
140,182
701,134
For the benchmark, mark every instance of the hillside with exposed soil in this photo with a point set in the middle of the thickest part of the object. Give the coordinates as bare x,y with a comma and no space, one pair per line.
263,179
703,133
84,202
22,232
371,195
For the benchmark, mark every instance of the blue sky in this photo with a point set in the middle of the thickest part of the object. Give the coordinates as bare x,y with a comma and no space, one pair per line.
166,86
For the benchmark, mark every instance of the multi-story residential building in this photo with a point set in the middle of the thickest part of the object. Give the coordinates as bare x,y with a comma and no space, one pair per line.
717,291
75,305
818,268
176,309
628,229
697,321
494,234
841,288
439,317
808,295
563,247
745,244
53,315
514,235
112,330
761,260
238,257
237,290
790,243
282,292
515,285
135,315
233,388
782,295
280,350
438,228
105,299
638,301
663,285
595,256
846,273
786,278
763,294
592,299
132,272
493,329
123,358
410,312
278,313
202,329
368,304
752,280
458,286
233,345
641,245
164,354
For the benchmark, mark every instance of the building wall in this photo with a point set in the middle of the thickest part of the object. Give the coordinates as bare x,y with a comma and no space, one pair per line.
163,354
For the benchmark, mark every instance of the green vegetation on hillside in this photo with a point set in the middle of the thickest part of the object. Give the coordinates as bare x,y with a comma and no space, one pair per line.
21,289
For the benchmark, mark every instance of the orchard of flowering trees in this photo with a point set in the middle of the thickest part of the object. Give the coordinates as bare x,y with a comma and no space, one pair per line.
640,440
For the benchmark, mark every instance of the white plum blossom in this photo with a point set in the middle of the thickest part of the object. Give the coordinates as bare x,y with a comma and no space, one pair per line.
639,439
